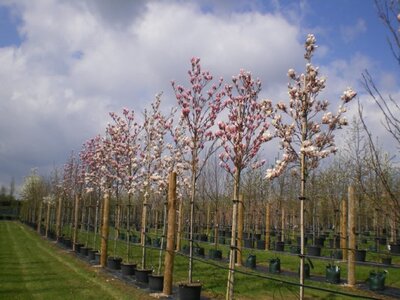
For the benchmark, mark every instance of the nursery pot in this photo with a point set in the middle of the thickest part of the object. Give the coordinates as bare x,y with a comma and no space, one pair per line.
280,246
199,251
215,254
189,291
97,258
142,275
333,274
128,269
261,244
274,265
314,250
114,263
337,254
387,260
156,282
248,243
295,249
91,254
395,248
299,240
84,251
306,270
376,281
319,241
203,237
78,247
251,261
67,243
360,255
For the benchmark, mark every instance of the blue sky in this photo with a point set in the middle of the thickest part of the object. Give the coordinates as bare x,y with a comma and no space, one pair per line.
65,64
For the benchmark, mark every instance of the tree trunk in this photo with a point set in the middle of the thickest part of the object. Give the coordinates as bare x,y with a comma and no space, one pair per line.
343,228
58,220
47,219
351,275
231,274
179,231
240,230
105,229
170,254
283,225
143,231
39,222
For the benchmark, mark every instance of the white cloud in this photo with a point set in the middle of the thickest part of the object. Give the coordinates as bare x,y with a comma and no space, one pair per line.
80,60
350,33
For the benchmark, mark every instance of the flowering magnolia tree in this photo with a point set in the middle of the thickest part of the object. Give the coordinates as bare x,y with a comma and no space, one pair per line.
306,129
242,136
199,108
154,171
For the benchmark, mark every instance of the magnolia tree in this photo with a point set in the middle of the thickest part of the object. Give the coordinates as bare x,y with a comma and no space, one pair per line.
306,129
199,109
242,136
154,171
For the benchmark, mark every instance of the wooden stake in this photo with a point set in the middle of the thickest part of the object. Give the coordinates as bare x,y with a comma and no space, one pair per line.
170,254
105,229
351,274
240,230
343,228
76,217
267,225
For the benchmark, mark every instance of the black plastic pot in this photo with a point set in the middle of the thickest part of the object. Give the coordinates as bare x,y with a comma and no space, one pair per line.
203,237
97,258
114,263
143,275
319,241
248,243
67,243
189,291
395,248
306,270
84,251
91,254
298,239
360,255
199,251
387,260
280,246
260,244
257,236
314,250
295,249
156,282
376,281
128,269
215,254
274,265
251,261
334,243
337,254
78,247
333,274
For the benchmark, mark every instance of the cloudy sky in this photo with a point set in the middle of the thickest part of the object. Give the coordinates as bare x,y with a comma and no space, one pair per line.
65,64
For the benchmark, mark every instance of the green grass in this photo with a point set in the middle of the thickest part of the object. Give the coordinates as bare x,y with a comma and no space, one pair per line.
34,268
